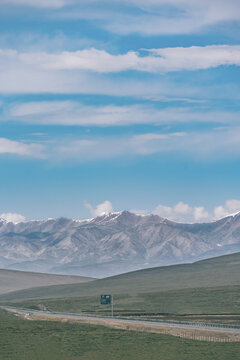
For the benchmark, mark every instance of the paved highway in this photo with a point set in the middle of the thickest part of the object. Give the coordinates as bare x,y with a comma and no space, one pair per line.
119,321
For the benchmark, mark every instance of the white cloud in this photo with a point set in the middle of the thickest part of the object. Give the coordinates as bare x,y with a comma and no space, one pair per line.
75,113
182,212
109,147
11,217
151,143
101,209
164,211
87,59
230,207
155,16
91,72
182,208
200,214
150,17
195,57
155,60
207,145
20,148
18,77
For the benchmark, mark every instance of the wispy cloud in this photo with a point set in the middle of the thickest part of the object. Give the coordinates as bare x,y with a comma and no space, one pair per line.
155,16
36,41
91,71
207,145
8,146
110,147
19,77
137,16
75,113
155,60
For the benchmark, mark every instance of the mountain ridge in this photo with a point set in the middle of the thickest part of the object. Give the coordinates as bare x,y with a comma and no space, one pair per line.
115,214
113,243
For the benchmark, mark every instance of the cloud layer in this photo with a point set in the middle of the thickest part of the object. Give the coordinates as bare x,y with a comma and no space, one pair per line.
137,16
181,212
92,71
75,113
154,60
208,145
70,113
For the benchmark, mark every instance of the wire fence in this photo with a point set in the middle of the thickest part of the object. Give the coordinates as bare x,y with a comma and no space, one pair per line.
189,332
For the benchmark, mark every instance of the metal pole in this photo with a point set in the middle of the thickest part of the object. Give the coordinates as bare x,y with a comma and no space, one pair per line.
112,305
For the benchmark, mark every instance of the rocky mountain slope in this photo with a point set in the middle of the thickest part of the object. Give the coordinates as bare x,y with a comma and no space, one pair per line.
113,243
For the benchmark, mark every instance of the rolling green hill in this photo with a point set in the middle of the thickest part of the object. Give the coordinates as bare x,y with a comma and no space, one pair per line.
216,272
11,280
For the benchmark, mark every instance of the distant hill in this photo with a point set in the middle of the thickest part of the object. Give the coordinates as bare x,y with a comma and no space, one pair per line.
215,272
112,244
11,280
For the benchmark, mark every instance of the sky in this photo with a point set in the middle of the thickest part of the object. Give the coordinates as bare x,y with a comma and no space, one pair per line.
119,105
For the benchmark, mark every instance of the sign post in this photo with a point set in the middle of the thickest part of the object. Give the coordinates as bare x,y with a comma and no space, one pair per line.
107,300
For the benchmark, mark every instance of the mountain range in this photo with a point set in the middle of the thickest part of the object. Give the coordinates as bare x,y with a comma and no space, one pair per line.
112,243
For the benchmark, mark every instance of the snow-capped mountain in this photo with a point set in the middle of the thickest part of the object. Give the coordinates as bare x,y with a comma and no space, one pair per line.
113,243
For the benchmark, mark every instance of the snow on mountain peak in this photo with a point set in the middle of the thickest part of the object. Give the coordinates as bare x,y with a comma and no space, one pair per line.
12,218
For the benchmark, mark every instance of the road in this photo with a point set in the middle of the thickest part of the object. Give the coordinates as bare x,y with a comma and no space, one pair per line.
128,323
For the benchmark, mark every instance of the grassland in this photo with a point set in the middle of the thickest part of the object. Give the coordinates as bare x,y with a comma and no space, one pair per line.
12,280
222,300
218,272
42,340
203,288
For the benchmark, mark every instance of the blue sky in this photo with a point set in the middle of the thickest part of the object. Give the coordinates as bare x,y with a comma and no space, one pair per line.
112,105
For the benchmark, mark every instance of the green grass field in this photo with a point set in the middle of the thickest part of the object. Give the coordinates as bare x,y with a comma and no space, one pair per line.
171,291
42,340
222,300
216,272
